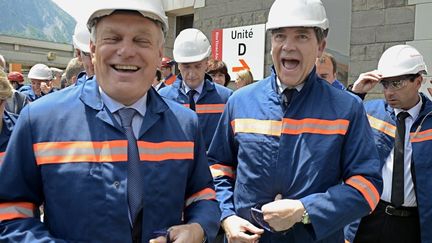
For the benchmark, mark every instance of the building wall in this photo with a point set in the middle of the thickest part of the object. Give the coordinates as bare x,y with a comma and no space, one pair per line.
423,37
373,26
220,14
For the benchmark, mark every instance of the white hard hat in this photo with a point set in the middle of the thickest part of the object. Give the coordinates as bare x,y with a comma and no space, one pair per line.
401,60
297,13
81,38
151,9
40,71
191,45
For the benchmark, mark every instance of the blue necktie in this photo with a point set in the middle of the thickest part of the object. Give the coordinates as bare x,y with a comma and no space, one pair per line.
134,178
287,97
398,194
191,95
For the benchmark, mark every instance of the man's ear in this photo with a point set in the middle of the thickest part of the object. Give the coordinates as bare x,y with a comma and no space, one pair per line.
321,47
92,52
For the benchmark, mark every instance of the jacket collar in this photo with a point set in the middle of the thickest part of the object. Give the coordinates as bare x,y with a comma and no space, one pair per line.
91,97
308,84
209,85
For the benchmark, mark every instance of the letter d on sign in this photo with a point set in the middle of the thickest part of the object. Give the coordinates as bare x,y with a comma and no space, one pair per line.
241,49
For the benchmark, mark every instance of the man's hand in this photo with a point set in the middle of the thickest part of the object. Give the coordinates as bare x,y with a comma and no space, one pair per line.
240,230
283,214
185,233
366,82
46,87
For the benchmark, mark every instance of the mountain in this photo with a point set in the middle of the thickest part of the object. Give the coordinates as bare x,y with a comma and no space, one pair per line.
36,19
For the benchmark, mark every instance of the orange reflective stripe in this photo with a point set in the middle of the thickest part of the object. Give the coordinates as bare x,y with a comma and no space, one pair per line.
382,126
170,80
265,127
186,105
2,155
366,188
421,136
165,150
209,108
80,151
206,194
317,126
16,210
218,170
109,151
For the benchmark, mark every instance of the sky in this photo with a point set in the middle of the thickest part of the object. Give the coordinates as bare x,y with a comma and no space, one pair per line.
72,7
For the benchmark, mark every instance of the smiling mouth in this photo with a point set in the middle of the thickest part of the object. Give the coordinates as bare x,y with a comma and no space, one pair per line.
125,68
290,64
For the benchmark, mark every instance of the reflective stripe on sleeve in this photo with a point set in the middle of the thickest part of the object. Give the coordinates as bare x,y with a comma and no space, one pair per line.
16,210
206,194
382,126
315,126
219,170
366,188
2,155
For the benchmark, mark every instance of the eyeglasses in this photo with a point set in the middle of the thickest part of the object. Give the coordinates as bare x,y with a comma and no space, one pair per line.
87,54
394,84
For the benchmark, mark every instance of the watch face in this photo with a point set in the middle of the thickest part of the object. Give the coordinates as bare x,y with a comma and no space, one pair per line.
305,218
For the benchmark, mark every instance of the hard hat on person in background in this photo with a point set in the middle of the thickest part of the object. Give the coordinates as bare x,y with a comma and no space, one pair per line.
191,45
41,72
151,9
401,60
81,38
167,62
16,77
297,13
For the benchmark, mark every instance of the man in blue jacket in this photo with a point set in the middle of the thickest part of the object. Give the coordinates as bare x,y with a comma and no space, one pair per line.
193,87
290,163
110,160
402,127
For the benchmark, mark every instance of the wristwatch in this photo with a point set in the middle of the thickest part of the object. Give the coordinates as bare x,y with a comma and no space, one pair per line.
305,218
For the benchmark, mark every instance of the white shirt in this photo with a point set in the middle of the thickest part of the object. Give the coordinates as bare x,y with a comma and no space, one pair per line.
282,86
387,170
156,87
197,89
140,106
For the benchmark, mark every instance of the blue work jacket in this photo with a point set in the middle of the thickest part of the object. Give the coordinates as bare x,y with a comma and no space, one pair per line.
383,121
209,105
69,153
9,120
317,151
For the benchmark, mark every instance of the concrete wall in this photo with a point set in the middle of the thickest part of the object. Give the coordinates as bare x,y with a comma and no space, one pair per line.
423,36
219,14
375,26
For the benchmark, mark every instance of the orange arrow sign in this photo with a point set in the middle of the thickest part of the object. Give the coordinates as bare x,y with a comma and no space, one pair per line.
244,66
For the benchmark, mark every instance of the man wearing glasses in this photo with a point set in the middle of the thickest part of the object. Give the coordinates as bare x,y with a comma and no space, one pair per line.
402,126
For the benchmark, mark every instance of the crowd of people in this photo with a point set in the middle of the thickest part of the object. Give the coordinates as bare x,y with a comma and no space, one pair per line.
120,148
